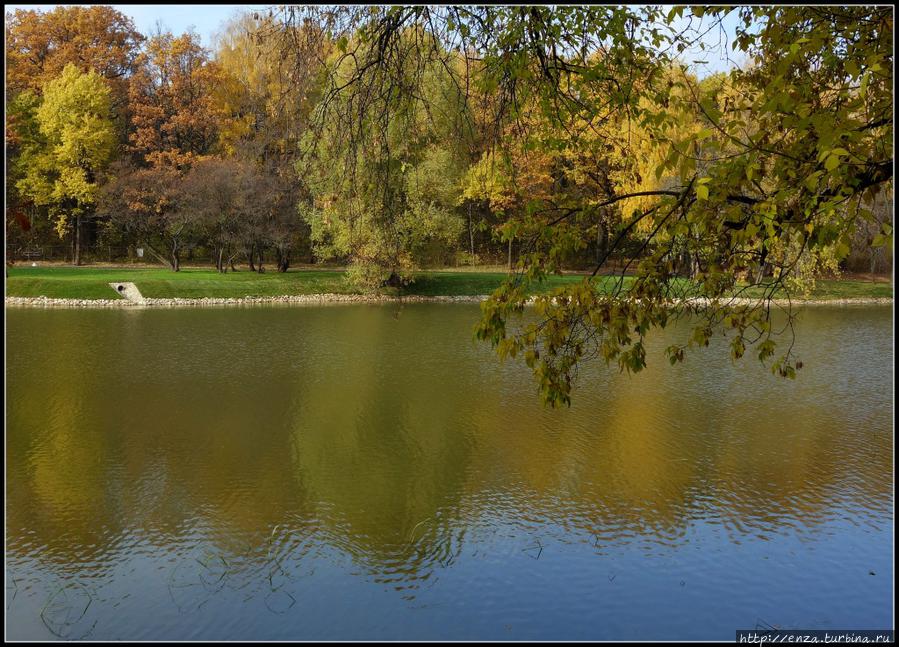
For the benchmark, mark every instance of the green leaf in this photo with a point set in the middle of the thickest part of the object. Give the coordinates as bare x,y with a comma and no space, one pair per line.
811,182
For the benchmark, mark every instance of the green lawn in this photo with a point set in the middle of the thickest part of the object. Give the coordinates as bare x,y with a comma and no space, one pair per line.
92,283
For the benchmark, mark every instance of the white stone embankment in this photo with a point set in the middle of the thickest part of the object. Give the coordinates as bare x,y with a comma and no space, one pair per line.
304,299
321,299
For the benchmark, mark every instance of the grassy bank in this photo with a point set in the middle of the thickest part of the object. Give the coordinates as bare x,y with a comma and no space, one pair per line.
92,283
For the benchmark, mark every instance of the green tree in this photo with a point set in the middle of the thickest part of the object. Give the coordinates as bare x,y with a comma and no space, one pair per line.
773,170
385,178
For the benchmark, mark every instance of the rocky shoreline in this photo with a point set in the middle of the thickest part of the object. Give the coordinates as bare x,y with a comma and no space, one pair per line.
303,299
322,299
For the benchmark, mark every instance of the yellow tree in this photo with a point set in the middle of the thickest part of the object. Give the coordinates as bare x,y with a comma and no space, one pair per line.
268,95
39,44
77,141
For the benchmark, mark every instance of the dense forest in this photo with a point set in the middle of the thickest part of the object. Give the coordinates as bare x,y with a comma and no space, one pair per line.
116,139
388,139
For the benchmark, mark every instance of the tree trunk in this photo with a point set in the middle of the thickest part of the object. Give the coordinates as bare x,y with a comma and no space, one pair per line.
77,255
283,259
259,250
249,252
165,260
510,254
602,241
470,234
176,258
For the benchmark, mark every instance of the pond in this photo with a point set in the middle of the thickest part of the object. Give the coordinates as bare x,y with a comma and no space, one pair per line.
372,472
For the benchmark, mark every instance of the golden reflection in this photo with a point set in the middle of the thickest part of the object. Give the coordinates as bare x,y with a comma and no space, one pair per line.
386,437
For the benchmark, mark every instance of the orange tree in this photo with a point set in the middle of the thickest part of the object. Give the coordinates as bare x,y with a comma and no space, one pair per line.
175,116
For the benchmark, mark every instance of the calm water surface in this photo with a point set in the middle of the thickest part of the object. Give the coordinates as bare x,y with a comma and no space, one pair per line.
372,472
